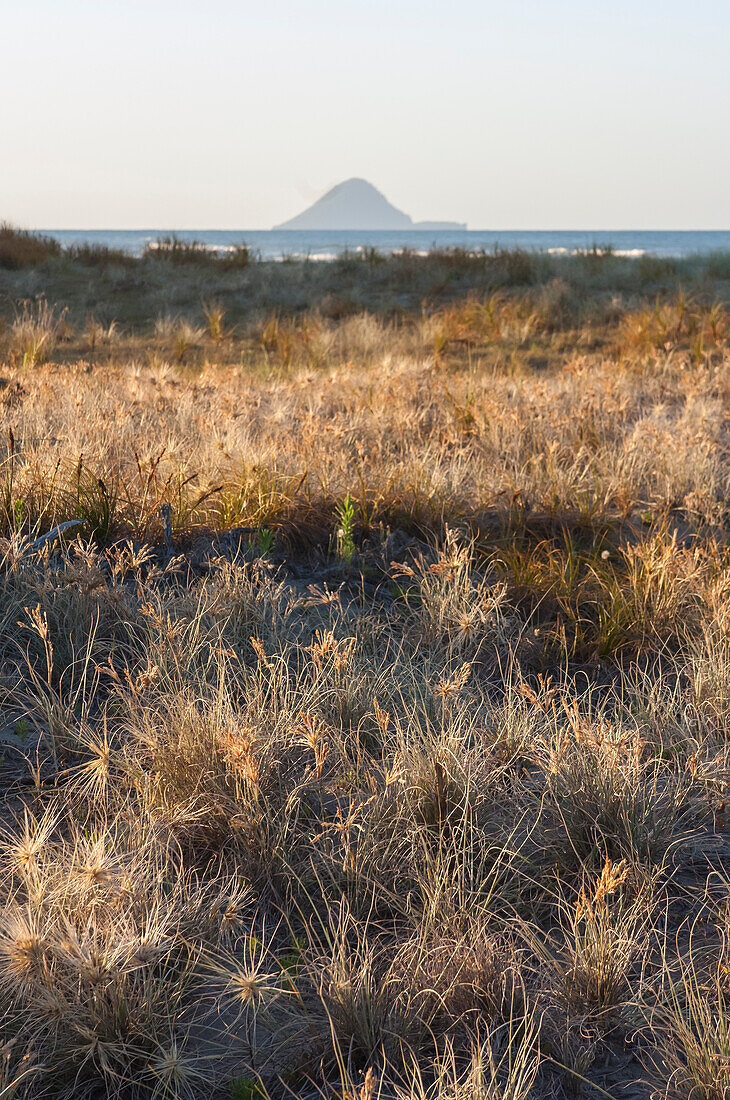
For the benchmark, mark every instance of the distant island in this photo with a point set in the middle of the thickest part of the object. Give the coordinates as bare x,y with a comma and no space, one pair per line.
356,204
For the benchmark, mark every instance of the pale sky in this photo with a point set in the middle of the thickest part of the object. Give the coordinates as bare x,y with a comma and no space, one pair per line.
519,114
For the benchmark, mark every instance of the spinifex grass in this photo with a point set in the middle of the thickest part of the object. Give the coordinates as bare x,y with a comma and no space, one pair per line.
367,734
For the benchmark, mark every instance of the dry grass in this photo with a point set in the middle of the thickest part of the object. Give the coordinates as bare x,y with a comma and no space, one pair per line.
367,733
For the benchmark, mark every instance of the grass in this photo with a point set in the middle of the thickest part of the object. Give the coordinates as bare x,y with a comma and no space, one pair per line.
35,331
20,248
365,735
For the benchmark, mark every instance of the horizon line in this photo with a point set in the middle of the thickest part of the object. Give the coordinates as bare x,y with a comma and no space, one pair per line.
410,229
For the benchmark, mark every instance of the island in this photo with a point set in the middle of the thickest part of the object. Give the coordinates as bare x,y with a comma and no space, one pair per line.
356,205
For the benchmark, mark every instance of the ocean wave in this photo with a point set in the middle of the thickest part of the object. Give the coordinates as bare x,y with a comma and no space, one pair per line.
630,252
154,243
273,246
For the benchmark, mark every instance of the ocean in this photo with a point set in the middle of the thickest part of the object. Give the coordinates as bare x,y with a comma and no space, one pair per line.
324,245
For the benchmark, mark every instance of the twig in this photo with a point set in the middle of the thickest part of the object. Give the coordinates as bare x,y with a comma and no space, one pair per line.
56,532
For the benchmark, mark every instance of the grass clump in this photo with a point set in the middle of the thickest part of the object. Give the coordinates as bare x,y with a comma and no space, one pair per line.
20,248
35,331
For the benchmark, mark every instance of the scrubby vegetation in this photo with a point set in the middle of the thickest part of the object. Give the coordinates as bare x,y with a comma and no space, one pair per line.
365,673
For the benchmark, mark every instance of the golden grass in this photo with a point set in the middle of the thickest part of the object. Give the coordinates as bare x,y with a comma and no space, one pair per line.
367,734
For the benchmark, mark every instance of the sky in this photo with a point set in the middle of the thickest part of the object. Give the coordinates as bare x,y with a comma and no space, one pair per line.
231,114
